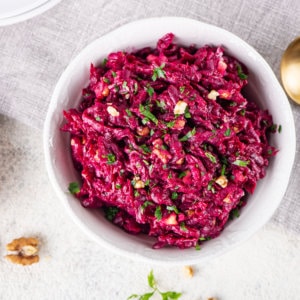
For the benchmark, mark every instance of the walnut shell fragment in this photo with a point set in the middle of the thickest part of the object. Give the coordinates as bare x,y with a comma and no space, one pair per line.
25,251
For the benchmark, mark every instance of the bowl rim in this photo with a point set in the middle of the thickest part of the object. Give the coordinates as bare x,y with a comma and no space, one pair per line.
47,139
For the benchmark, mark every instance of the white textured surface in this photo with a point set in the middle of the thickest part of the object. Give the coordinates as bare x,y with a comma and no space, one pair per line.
74,267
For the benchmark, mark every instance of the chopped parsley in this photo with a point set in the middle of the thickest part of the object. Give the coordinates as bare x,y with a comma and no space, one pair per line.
158,213
227,132
174,195
187,113
158,72
129,113
241,163
211,157
110,212
146,204
188,135
111,158
145,149
172,208
182,226
144,110
150,90
241,75
182,174
74,188
235,213
170,124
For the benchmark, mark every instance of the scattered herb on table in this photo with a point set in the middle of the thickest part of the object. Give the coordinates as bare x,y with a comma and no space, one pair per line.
170,295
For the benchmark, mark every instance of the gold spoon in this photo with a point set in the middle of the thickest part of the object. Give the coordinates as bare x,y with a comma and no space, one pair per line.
290,70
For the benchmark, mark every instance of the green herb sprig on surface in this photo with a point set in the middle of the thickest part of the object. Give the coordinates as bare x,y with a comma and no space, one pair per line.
170,295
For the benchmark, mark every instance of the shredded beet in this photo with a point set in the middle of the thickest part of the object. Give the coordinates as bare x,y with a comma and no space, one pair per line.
166,143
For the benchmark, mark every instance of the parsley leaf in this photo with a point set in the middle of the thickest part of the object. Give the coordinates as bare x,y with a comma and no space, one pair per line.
110,212
211,157
174,195
150,90
158,213
146,204
170,295
74,188
227,132
111,158
151,280
129,113
144,110
182,174
241,75
158,72
172,208
145,149
188,135
241,163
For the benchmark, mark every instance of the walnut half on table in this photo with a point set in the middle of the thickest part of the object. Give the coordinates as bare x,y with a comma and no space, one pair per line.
25,251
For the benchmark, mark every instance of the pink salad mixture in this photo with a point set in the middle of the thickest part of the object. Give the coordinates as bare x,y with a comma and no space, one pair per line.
166,143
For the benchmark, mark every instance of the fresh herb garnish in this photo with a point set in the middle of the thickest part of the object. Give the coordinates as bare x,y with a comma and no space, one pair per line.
98,118
173,208
158,213
227,132
158,72
106,80
223,170
110,212
74,188
146,204
170,124
210,186
187,113
104,62
211,157
197,247
174,195
161,104
241,163
145,149
188,135
235,213
279,129
150,90
129,113
118,186
144,110
241,75
170,295
111,158
182,174
182,226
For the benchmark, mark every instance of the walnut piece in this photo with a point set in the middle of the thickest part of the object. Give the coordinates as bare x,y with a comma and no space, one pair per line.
188,271
25,251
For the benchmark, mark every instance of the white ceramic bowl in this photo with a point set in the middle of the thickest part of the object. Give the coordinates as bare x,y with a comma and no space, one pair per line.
262,82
